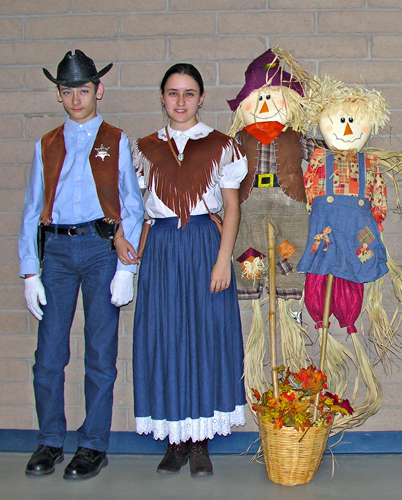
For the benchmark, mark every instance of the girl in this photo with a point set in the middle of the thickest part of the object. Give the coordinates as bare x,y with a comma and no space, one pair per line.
188,350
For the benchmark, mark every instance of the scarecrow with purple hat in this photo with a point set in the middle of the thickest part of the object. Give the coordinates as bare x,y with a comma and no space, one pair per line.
269,121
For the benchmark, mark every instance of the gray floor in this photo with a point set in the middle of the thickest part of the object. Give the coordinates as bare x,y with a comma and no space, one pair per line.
356,477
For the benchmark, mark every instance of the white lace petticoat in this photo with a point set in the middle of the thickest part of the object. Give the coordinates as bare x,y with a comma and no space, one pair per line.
196,429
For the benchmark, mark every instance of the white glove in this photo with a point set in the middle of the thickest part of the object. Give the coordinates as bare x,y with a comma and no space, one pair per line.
35,294
122,288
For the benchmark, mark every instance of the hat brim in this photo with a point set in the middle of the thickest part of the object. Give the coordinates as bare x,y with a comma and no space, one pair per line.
78,83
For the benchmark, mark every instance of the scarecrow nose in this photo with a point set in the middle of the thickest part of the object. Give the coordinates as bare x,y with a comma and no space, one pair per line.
348,130
264,108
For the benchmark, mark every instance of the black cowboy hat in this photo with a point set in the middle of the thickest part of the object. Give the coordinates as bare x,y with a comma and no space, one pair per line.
76,70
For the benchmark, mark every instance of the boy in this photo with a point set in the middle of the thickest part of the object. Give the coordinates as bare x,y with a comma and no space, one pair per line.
82,185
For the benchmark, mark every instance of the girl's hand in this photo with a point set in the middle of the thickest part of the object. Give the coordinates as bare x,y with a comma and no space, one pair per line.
125,251
220,276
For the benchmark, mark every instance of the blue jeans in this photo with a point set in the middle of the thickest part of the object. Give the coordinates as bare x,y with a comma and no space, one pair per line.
84,261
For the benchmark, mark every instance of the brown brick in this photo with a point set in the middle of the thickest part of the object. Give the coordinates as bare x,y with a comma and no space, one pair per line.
363,72
317,4
387,46
168,24
75,417
16,346
75,371
10,274
20,151
125,101
141,124
28,103
10,28
11,128
125,348
216,48
266,23
28,52
16,394
70,26
123,395
9,222
11,200
12,298
13,323
322,47
385,4
125,50
8,248
15,371
222,5
11,78
17,417
118,6
150,74
10,7
359,21
36,126
119,419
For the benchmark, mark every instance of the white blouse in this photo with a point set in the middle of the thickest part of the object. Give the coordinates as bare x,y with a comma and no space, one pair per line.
232,174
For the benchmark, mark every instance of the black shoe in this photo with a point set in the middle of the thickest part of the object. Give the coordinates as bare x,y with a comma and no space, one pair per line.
85,464
43,460
174,459
200,463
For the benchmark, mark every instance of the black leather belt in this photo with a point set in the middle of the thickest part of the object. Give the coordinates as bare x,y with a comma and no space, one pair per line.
266,181
70,231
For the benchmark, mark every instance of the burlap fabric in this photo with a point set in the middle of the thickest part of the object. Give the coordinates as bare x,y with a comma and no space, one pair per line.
290,221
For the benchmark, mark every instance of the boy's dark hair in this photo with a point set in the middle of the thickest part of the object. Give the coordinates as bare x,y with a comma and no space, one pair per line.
95,82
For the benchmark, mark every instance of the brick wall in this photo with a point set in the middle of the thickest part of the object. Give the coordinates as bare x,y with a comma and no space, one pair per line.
358,41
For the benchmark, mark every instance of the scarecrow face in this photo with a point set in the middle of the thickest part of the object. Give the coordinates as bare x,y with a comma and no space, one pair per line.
345,129
265,105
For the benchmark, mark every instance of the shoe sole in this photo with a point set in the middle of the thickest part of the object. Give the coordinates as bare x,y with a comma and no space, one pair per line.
87,476
44,473
201,474
170,472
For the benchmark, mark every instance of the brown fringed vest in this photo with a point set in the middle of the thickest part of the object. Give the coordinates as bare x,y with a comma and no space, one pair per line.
180,188
105,172
289,156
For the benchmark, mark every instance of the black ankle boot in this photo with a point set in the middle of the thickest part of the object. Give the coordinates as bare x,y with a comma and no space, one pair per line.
174,459
200,463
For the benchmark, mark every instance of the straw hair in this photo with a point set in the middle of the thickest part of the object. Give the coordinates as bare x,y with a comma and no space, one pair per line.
292,457
332,96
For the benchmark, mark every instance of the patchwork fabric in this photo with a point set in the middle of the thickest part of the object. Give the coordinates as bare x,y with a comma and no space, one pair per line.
365,236
284,267
286,249
364,253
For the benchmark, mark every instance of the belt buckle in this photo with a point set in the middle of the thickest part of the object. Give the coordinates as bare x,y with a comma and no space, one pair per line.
70,229
265,180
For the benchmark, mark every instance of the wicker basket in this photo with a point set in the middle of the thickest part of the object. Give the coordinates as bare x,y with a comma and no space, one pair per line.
288,461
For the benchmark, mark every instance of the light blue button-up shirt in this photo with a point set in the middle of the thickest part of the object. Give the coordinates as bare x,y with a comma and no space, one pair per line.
76,200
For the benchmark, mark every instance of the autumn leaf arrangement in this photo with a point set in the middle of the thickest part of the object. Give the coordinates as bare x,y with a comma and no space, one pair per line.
297,396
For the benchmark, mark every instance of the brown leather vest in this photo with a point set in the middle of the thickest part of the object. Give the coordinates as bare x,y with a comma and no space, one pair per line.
289,156
180,188
105,171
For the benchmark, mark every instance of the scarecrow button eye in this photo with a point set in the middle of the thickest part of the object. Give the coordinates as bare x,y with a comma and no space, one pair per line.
351,119
267,97
260,98
343,119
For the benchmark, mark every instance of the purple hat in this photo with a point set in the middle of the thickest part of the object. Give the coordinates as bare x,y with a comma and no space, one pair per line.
265,69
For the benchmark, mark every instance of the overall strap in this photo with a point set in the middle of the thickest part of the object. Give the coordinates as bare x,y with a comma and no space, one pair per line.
362,175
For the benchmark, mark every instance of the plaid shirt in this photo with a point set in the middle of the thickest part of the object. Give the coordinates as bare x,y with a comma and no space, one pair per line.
267,154
346,180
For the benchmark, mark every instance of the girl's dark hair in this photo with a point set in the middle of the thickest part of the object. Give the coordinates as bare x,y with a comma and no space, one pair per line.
183,69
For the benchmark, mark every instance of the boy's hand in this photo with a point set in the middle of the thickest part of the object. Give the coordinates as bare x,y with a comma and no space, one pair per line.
122,288
34,295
